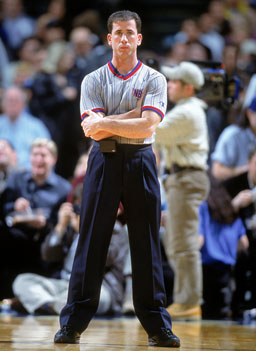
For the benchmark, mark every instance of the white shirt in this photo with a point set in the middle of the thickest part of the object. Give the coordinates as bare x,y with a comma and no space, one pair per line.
183,134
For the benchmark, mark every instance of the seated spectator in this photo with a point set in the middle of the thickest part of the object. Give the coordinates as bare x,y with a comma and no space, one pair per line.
56,11
19,126
16,26
54,98
210,37
231,151
242,189
26,65
82,44
4,65
38,294
79,173
8,162
8,165
30,201
220,231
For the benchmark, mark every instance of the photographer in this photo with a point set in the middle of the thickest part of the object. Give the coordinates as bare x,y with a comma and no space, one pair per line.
183,136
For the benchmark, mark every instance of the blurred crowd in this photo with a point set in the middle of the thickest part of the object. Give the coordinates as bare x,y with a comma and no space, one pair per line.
43,156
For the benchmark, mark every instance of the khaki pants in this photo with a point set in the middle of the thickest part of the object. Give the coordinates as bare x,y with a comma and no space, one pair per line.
185,190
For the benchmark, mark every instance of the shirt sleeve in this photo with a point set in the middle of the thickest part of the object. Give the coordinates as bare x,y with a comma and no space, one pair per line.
175,125
241,228
156,97
91,95
226,149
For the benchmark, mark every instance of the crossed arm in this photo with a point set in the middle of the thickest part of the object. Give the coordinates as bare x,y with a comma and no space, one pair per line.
132,124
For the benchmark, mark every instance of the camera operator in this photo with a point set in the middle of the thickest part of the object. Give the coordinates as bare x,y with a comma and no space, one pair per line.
183,137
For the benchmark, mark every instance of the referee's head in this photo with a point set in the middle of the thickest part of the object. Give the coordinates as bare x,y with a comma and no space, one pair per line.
124,15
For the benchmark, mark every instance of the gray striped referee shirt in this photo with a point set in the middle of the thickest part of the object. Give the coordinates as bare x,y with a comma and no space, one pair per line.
106,90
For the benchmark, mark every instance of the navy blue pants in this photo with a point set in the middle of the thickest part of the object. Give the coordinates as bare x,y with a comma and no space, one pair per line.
128,175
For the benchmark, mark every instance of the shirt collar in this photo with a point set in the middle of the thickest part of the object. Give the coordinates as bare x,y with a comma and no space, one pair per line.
50,180
124,77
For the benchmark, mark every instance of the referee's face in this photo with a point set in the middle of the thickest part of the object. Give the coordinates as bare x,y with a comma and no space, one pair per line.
124,38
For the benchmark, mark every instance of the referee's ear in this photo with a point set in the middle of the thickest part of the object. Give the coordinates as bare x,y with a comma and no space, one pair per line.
109,39
139,39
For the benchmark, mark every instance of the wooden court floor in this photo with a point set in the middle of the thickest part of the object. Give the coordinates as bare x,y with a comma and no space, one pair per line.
36,333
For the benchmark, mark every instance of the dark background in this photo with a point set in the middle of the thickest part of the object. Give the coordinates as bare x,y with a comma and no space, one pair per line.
159,17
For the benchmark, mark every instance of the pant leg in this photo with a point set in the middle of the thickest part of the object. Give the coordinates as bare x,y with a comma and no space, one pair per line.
101,197
143,209
185,191
34,290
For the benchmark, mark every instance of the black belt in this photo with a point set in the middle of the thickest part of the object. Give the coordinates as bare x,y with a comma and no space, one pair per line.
176,168
111,145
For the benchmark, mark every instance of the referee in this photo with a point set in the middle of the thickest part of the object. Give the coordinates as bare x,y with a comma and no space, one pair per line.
121,105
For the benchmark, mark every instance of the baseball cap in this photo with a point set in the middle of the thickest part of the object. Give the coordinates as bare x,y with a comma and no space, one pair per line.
252,105
188,72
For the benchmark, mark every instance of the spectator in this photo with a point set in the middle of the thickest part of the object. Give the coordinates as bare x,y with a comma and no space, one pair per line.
230,155
42,295
197,51
210,37
82,44
53,94
226,111
242,190
189,31
221,233
15,27
8,161
8,164
4,64
175,54
79,173
19,126
184,138
26,64
216,10
55,13
31,201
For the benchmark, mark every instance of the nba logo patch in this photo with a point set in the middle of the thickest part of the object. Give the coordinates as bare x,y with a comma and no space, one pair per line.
137,93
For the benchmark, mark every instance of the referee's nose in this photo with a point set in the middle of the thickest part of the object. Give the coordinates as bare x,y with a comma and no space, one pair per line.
124,38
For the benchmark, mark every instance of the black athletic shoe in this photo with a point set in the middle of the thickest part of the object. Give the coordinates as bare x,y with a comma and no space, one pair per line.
67,335
165,338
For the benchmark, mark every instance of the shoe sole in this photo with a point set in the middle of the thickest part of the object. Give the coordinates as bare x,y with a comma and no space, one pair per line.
164,344
66,341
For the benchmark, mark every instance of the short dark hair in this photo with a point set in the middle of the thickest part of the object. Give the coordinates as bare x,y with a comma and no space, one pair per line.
219,202
124,15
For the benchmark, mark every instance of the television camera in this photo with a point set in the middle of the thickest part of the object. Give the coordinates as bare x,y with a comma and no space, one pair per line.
219,89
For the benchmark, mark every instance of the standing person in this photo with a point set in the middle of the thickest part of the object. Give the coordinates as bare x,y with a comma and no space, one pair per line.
121,167
184,139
